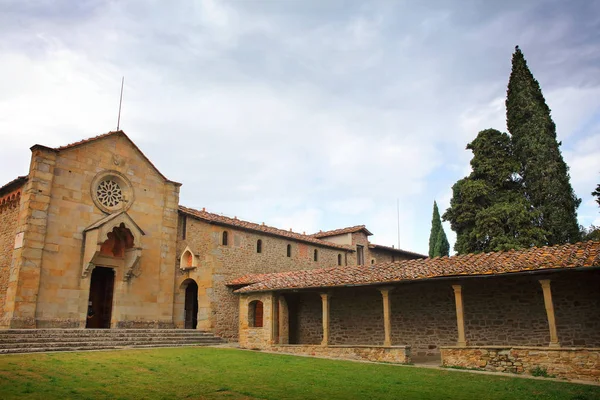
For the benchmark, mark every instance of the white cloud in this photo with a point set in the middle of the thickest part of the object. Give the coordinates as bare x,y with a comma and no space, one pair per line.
300,115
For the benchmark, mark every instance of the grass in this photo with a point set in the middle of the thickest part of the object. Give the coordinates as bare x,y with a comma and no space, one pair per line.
211,373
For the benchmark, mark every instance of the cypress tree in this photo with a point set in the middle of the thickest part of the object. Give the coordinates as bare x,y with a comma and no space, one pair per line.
597,194
438,242
489,210
544,174
442,247
436,226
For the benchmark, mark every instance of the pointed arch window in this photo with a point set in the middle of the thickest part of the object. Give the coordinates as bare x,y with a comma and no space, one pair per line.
289,250
259,246
316,255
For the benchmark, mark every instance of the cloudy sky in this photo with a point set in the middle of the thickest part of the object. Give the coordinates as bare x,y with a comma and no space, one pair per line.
301,114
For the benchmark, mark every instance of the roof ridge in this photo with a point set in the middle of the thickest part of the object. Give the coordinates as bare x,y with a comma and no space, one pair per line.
259,227
339,231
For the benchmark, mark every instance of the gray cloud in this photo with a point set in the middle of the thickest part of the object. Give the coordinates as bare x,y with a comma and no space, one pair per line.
311,115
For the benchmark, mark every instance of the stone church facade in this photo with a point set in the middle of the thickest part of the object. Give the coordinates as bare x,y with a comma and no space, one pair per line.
94,236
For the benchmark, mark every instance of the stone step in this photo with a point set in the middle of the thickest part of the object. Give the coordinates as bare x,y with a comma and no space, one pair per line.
109,339
110,343
106,335
97,331
37,340
65,348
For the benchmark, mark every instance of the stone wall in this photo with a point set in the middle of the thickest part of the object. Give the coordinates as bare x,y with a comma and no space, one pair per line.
381,255
59,205
570,363
423,316
356,317
9,213
576,298
217,264
505,311
394,354
251,337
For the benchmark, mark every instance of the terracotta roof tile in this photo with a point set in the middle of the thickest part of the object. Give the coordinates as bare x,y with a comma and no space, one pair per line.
17,182
586,254
238,223
350,229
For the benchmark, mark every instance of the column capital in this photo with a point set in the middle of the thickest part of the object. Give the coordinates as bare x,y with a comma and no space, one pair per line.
457,288
545,283
325,295
385,289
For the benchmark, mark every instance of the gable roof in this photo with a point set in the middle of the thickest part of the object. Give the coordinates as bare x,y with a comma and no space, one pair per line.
341,231
15,183
395,250
569,256
265,229
103,136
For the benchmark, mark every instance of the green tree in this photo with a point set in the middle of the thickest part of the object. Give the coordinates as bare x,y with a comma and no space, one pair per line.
442,246
544,174
597,194
489,210
436,227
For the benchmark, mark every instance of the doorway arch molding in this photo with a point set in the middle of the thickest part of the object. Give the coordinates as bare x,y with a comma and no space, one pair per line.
97,233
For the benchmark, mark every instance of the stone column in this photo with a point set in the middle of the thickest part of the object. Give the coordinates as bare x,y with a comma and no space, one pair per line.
387,323
325,301
550,312
460,320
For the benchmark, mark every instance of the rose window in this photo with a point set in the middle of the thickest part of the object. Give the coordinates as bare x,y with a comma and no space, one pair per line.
109,193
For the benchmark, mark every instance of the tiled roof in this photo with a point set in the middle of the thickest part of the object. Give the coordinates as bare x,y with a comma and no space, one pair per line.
586,254
251,226
105,135
395,250
350,229
17,182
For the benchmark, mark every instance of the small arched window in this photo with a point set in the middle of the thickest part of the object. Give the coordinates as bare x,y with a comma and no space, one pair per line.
372,261
339,259
316,255
255,314
259,246
289,250
224,239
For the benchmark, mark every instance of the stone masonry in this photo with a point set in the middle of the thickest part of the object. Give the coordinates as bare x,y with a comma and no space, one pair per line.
9,214
569,363
217,264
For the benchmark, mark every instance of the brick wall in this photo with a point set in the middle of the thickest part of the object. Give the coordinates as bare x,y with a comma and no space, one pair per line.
9,213
218,306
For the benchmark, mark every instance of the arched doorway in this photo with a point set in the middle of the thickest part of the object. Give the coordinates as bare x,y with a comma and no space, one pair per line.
101,296
191,304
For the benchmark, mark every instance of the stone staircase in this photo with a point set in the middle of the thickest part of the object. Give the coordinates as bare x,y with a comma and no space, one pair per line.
38,340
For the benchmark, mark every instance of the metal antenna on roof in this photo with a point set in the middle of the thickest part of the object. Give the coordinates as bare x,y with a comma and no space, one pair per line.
398,215
120,102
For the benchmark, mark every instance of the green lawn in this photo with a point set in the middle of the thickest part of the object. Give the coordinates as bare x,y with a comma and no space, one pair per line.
212,373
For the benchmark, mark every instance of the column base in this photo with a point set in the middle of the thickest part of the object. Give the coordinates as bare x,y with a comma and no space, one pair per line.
461,344
554,344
